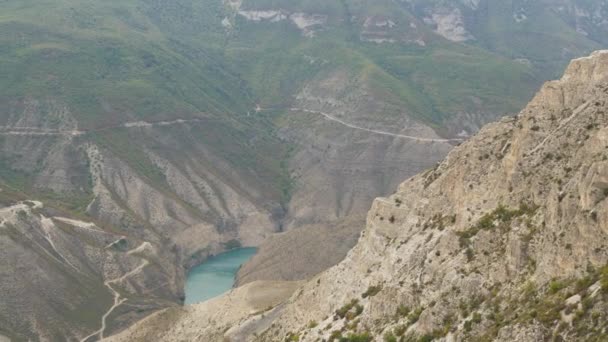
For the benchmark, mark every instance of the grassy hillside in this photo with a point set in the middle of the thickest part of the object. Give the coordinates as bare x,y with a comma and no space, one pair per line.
109,60
152,59
433,81
156,59
119,61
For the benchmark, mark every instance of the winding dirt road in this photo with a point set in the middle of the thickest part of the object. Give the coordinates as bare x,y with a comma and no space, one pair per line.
344,123
118,300
37,131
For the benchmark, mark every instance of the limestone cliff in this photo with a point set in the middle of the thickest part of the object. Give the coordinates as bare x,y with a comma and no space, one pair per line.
505,240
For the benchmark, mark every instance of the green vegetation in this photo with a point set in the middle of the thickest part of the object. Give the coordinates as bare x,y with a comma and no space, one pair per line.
604,279
415,315
352,337
439,222
153,59
402,311
500,218
390,337
468,324
426,338
371,291
291,337
556,286
546,306
350,310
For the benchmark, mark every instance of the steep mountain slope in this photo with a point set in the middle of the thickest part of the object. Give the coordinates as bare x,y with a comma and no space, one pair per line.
197,126
504,240
501,241
199,208
368,66
302,253
351,61
53,272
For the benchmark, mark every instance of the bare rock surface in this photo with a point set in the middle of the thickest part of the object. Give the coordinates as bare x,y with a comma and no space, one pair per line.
215,317
301,253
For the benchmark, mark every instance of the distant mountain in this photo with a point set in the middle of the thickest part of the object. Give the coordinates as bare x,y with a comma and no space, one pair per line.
544,33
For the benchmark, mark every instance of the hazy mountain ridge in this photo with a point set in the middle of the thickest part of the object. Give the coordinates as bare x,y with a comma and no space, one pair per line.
543,33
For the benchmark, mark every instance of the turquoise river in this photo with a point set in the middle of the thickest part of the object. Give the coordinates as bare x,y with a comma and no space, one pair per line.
216,275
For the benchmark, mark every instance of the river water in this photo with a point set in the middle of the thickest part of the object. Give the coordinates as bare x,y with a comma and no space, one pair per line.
216,275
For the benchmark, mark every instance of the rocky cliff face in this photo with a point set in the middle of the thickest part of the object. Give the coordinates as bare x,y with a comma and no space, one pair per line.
501,241
505,240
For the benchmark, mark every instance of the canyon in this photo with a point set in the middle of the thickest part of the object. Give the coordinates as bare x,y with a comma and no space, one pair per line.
139,138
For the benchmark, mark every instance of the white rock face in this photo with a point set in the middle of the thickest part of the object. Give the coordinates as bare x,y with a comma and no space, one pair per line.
520,16
450,25
306,22
226,23
234,4
379,23
262,15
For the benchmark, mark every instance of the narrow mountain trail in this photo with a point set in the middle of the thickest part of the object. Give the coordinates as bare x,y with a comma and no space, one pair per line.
12,130
158,123
118,299
37,131
48,227
349,125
